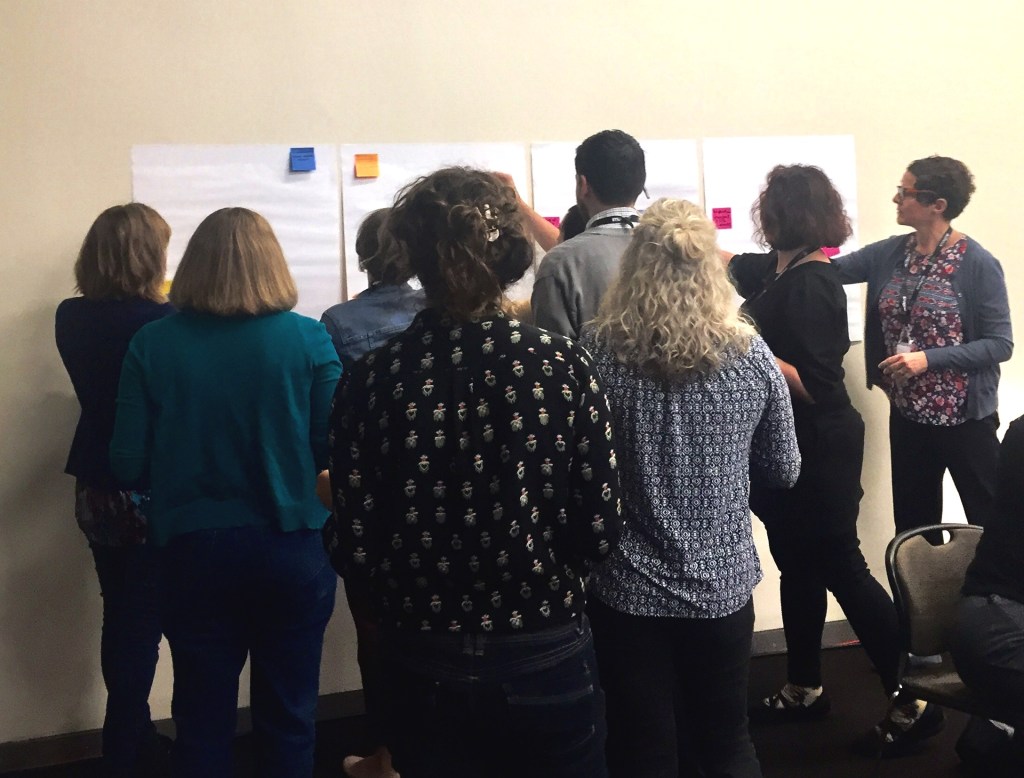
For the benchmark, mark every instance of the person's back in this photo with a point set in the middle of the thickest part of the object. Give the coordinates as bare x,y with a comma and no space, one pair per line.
234,419
688,451
386,307
474,482
573,277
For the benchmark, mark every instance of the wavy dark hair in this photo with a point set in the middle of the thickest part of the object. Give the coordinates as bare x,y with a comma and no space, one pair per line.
462,233
378,252
799,206
948,178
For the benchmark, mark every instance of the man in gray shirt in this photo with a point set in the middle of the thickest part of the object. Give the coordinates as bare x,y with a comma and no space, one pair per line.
572,279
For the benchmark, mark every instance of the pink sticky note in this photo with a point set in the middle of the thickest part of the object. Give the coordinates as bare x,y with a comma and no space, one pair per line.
555,220
722,217
829,251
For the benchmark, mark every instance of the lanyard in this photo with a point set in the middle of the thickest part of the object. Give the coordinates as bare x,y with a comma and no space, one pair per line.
772,276
629,222
907,302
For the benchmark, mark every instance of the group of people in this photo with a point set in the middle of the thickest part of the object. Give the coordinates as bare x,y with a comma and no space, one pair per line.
543,528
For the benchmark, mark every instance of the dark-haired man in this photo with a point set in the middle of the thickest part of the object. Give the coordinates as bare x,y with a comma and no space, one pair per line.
572,279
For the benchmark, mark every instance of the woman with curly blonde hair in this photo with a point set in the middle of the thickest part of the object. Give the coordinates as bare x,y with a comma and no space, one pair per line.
699,404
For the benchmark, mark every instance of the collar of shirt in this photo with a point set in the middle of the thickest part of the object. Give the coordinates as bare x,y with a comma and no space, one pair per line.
612,212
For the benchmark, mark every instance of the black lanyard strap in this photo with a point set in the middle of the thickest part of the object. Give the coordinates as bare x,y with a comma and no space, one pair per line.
629,222
907,302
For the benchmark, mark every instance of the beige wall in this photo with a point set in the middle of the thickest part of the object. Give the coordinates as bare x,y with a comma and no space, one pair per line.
81,82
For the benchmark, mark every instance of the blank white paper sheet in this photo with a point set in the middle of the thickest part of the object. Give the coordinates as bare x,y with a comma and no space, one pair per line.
186,183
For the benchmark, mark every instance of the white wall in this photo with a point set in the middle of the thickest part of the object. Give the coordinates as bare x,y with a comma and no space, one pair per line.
81,82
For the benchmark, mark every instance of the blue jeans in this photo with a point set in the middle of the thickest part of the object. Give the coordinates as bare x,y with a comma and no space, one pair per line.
129,644
256,592
495,705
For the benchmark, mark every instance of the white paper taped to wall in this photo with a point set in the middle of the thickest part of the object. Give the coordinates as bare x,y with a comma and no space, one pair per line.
398,164
186,183
734,174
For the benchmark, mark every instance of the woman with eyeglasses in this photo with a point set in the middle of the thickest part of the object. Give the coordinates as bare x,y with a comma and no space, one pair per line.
936,328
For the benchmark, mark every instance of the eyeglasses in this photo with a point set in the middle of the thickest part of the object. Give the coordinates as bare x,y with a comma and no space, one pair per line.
907,191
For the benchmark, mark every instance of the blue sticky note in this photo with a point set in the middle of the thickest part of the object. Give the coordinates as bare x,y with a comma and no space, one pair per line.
302,159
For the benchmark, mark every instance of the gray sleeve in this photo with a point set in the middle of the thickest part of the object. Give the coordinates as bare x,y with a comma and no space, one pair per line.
855,266
552,300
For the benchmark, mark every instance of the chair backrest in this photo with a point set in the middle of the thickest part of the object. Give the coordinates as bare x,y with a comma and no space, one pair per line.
926,581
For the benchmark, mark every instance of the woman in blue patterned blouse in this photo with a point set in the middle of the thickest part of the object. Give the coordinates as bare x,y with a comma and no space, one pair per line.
699,404
475,481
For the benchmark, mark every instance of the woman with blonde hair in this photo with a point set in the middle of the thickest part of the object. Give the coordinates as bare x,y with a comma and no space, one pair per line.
701,408
224,408
120,273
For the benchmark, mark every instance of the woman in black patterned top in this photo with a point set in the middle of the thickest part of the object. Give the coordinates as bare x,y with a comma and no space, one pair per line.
701,409
475,483
795,297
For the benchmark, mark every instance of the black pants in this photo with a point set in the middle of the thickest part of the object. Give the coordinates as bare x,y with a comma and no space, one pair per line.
921,454
988,648
812,533
676,693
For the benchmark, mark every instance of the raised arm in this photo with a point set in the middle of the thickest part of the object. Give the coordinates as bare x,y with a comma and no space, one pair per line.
542,231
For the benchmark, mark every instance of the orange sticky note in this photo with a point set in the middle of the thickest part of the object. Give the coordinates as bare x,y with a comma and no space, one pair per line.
367,166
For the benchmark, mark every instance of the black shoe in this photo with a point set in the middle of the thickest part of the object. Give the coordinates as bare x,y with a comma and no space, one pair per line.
778,708
890,739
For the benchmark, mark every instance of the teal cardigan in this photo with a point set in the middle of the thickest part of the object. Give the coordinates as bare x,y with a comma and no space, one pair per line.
227,416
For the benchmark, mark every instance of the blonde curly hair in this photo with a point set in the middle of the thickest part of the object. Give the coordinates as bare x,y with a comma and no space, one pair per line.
671,312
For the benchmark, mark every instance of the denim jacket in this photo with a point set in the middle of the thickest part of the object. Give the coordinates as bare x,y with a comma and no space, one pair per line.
362,324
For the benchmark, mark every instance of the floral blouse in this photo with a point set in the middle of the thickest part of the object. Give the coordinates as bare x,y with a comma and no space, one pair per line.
475,477
936,397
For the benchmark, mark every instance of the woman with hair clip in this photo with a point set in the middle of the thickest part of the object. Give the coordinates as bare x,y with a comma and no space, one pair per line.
224,407
120,273
794,296
475,482
701,409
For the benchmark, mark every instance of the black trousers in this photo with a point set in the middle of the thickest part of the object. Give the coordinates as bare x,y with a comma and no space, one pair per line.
922,453
676,693
812,533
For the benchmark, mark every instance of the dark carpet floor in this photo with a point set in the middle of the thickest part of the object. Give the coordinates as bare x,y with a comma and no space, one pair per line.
806,750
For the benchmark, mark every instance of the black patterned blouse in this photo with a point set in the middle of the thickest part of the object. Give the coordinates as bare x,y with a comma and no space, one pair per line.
474,476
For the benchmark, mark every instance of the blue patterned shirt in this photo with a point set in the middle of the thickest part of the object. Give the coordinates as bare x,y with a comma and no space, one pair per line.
687,453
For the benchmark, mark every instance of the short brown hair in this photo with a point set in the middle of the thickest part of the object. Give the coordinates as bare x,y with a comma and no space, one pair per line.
798,207
124,254
233,265
379,253
462,232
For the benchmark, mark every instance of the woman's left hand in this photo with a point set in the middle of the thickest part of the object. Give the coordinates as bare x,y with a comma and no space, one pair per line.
900,367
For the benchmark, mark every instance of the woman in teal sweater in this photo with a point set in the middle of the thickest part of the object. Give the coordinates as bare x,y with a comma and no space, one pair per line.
223,407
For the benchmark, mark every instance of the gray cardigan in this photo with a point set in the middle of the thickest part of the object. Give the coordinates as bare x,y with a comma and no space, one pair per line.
981,293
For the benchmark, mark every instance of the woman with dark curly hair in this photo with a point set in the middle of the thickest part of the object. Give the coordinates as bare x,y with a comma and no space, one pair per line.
475,482
794,296
937,326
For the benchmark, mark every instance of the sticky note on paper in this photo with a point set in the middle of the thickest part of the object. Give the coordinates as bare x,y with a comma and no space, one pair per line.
722,217
554,220
829,251
367,166
302,159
